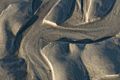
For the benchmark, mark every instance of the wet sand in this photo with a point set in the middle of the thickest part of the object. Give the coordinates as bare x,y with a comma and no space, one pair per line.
59,40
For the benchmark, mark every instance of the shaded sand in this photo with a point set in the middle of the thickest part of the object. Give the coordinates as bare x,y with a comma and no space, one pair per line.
59,40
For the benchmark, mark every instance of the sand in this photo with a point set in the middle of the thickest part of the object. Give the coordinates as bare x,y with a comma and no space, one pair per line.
59,40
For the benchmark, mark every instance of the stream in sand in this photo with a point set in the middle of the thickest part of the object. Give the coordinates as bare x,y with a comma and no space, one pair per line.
59,40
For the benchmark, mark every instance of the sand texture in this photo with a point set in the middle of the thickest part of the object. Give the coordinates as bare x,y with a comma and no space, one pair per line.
59,40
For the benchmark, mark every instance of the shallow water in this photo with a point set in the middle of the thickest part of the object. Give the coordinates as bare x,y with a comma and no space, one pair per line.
54,40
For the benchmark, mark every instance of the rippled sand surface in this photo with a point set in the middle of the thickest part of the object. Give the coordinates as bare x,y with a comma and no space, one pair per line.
59,40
